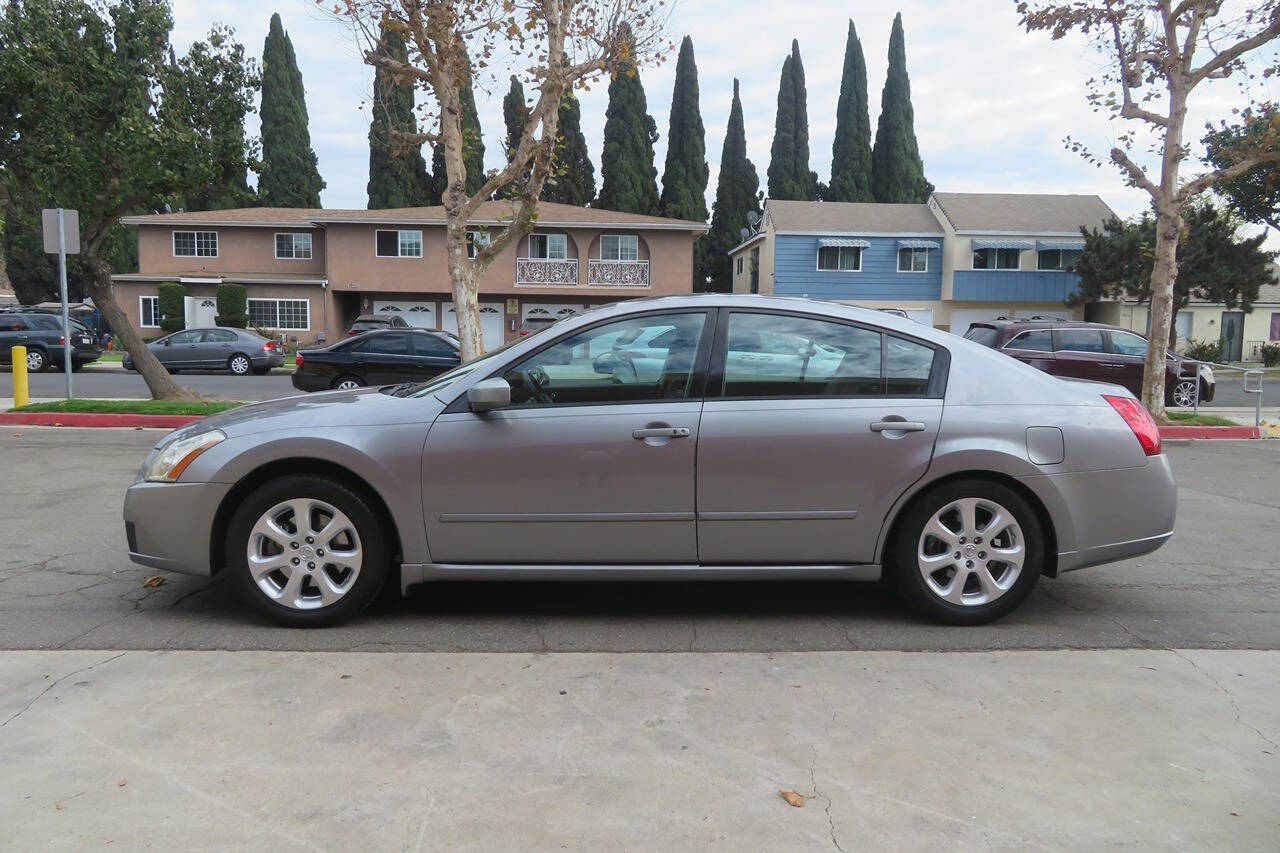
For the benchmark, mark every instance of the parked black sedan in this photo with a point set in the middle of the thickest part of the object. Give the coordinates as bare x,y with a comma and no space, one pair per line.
377,358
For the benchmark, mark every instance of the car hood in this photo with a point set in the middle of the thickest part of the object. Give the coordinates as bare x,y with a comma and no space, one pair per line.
362,407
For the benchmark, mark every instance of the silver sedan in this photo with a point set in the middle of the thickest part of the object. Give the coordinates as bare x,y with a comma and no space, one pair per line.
684,437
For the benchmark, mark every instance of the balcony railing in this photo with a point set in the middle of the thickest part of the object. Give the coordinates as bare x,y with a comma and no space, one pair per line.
617,273
547,272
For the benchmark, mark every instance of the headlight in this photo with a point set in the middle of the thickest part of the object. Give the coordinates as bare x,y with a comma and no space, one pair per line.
174,457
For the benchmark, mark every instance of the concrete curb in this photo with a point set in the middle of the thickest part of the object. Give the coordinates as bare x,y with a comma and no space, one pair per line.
1231,432
96,419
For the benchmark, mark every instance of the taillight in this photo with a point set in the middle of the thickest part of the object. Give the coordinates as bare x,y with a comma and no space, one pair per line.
297,359
269,346
1139,420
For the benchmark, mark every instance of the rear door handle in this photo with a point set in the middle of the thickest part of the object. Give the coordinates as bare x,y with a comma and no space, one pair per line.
665,432
900,426
1109,364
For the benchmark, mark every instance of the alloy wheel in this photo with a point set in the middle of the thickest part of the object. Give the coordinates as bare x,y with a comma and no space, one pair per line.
304,554
35,361
1184,393
347,385
240,365
971,552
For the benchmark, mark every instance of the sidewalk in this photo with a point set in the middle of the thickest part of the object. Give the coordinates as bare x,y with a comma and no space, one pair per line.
1073,750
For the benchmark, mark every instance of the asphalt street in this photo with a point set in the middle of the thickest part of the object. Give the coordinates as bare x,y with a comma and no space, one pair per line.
66,582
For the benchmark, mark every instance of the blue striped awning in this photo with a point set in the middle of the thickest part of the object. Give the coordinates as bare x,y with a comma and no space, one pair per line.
844,242
919,244
1003,244
1069,245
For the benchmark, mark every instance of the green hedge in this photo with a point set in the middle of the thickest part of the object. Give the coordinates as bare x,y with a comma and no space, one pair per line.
232,306
172,305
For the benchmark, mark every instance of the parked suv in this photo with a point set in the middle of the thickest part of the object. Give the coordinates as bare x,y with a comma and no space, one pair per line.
1091,351
370,322
41,334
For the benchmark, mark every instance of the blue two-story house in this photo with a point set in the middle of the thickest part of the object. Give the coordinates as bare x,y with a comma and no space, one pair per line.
959,258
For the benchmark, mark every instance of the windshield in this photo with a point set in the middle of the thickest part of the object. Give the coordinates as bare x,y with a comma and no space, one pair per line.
444,380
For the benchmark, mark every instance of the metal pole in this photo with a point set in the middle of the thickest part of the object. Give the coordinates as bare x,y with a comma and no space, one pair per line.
62,283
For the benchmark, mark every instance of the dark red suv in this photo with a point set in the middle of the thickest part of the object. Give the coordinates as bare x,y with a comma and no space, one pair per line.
1090,351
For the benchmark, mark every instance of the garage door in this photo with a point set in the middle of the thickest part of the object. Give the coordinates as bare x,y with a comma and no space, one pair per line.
490,323
557,310
420,315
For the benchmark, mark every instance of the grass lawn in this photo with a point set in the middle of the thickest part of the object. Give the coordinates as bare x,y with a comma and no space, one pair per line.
131,407
1192,419
114,355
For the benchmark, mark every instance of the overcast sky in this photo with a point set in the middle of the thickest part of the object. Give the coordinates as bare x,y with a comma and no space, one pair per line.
992,103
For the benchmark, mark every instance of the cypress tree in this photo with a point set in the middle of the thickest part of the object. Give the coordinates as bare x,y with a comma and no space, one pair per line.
397,174
629,179
472,148
515,114
897,173
290,177
573,177
736,189
684,179
789,175
851,150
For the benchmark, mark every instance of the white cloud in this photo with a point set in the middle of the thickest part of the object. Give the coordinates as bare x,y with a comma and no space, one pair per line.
992,103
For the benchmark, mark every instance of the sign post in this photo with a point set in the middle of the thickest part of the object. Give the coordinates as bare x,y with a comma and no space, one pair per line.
62,235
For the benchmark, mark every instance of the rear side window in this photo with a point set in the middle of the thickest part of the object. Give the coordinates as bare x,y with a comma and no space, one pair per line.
1079,340
13,323
907,366
1036,340
393,344
46,321
985,335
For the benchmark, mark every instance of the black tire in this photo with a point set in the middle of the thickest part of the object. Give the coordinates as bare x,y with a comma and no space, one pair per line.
37,361
373,544
1185,386
77,366
239,364
336,384
261,371
909,580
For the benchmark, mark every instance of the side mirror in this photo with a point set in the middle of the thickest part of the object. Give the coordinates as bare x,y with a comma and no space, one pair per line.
165,342
489,394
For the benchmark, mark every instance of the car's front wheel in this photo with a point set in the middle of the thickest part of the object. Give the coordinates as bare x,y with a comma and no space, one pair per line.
967,552
239,364
307,551
1181,394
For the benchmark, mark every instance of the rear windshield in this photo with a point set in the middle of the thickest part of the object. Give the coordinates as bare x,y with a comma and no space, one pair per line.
985,335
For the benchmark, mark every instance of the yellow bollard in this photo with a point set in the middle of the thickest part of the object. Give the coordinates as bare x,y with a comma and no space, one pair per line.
19,376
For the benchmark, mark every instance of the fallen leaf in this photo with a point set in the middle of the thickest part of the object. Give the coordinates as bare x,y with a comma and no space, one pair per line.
1235,814
122,783
793,799
58,806
153,581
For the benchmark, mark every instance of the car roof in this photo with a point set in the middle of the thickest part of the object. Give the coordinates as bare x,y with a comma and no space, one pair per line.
1023,325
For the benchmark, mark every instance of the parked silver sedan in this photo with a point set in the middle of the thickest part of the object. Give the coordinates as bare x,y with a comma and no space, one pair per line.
779,438
223,348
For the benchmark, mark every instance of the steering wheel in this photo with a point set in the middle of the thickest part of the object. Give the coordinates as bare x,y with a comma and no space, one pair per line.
538,384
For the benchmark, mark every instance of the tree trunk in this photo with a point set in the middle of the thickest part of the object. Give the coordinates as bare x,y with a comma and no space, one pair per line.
159,382
1163,276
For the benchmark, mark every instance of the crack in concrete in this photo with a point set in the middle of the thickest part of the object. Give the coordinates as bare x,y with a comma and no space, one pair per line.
1235,706
818,795
55,683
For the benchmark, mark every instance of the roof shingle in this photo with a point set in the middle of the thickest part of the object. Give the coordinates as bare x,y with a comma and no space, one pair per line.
1024,213
848,217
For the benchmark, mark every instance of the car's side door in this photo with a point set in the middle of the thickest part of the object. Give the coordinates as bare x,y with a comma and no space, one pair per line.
432,354
1130,352
218,347
1080,353
179,350
590,464
387,358
802,453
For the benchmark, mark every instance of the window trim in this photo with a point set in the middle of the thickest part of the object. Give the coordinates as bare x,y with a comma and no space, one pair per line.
155,313
817,259
278,299
422,246
619,260
1018,268
913,250
293,242
195,243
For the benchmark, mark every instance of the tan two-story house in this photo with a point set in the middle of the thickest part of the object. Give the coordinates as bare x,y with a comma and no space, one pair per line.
309,273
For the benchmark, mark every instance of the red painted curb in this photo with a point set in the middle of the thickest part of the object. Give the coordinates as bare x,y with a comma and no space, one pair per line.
95,419
1209,432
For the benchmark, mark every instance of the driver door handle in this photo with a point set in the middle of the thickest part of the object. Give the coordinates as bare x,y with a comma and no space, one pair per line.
900,426
663,432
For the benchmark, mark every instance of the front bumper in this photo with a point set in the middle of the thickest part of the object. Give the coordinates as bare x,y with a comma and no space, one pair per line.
169,525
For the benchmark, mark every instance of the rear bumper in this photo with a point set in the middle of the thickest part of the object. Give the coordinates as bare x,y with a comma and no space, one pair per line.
309,381
169,525
267,359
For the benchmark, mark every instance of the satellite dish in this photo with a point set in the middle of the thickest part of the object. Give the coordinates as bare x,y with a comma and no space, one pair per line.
744,233
753,219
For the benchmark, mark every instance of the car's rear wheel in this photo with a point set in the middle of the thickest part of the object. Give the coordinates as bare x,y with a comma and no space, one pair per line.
967,552
1181,393
346,383
77,366
306,551
239,364
37,361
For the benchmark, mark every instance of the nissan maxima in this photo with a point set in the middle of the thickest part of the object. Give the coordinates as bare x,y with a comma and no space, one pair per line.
697,437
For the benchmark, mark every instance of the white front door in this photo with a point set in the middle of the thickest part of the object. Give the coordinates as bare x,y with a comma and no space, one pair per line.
199,311
420,315
490,322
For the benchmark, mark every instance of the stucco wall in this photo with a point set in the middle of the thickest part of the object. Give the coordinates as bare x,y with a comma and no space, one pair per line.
127,295
241,249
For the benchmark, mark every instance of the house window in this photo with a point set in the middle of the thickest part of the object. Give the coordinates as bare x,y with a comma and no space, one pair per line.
1057,259
619,247
284,314
739,270
195,244
551,246
477,241
996,259
913,260
840,258
293,247
149,312
755,270
399,244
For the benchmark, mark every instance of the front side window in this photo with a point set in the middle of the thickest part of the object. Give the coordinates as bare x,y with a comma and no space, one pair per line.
286,314
1063,260
399,244
149,312
293,247
1128,344
433,345
1037,340
195,244
185,338
619,247
636,360
913,260
996,259
549,246
840,258
1079,340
